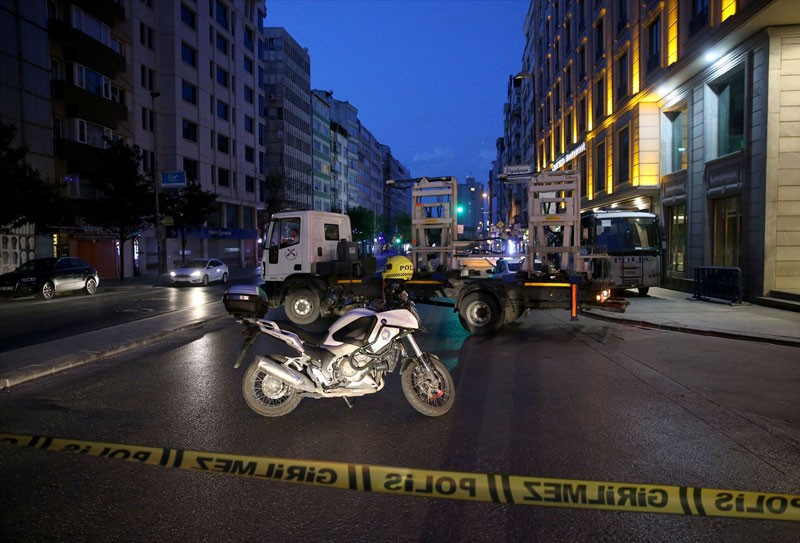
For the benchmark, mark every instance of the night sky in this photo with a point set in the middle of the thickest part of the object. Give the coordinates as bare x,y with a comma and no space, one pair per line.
428,77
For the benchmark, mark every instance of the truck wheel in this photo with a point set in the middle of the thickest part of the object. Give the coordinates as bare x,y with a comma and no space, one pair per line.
302,306
480,313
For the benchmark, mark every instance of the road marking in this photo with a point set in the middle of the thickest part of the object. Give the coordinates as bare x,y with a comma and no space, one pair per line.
483,487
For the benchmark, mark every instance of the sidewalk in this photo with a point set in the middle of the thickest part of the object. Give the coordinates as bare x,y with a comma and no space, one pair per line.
21,365
662,309
677,311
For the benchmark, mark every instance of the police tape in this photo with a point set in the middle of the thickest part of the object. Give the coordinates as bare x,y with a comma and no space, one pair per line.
482,487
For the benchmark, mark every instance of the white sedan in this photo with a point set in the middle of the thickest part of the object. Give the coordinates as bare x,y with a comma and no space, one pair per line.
200,271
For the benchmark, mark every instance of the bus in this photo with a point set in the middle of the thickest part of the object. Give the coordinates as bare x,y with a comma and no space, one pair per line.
633,241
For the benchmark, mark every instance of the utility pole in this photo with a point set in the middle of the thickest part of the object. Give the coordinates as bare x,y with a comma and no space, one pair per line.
156,188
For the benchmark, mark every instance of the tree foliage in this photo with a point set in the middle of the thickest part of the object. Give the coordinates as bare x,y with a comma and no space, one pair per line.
362,221
125,203
27,198
189,208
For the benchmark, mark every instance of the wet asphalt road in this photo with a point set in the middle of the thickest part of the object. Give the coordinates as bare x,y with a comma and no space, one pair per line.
546,397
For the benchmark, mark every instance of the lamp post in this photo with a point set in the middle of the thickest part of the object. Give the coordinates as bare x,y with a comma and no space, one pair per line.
486,212
156,188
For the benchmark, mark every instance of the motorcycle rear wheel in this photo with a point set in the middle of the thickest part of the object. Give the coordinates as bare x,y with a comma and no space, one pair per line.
431,395
267,395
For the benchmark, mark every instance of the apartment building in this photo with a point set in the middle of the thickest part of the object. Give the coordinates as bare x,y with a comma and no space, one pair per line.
287,85
687,108
178,79
322,151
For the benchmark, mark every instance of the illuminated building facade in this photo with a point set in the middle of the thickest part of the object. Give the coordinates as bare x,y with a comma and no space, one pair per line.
688,108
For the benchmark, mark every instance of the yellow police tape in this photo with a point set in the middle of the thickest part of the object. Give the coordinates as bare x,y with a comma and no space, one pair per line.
483,487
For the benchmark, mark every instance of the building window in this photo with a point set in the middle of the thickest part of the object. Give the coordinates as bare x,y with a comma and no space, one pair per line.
248,39
92,81
222,110
90,26
582,115
249,183
676,140
221,12
189,92
699,16
222,43
147,77
147,119
622,76
249,124
676,238
568,129
624,156
568,83
223,143
190,167
189,130
653,44
727,224
599,99
581,56
222,77
730,114
248,64
188,17
188,54
248,94
599,40
146,35
622,15
249,154
223,177
600,168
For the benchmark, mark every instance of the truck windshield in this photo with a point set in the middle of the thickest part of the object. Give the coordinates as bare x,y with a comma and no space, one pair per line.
628,235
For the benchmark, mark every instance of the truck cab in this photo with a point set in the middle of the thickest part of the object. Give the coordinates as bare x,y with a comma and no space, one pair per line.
297,241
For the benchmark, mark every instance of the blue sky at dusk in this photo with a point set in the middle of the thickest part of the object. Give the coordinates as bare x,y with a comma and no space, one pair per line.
428,77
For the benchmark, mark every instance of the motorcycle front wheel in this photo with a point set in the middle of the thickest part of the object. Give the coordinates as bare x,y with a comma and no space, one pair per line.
430,393
267,395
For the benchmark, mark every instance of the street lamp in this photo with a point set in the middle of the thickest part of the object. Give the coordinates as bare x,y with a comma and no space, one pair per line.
486,212
156,185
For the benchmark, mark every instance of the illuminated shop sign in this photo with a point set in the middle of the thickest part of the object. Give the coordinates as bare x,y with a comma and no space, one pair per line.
558,164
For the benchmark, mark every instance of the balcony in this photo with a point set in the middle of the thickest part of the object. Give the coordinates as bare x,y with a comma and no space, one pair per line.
111,12
81,158
82,48
88,106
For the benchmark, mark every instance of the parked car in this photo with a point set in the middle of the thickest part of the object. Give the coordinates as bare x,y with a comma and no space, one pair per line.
50,276
200,271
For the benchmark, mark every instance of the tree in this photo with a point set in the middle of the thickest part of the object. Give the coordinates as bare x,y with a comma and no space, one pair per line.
125,205
189,208
27,198
362,221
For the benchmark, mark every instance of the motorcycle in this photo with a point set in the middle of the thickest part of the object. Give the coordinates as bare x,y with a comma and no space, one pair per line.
350,359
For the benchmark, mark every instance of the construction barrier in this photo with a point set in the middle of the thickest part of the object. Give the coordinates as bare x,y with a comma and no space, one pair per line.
456,485
724,283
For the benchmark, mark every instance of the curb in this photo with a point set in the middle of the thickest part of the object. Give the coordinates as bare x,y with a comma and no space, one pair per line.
775,340
74,360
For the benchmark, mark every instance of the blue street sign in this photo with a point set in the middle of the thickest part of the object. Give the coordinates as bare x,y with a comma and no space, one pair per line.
173,180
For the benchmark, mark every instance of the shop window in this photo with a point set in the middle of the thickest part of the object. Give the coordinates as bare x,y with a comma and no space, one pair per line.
730,114
624,156
726,230
676,238
676,140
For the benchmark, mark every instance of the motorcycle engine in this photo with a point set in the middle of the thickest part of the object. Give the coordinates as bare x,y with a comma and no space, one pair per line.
354,367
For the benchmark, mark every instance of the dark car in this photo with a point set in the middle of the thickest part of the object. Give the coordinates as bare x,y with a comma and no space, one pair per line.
48,276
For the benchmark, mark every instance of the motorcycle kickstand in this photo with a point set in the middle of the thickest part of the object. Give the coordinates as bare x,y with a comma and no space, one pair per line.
348,402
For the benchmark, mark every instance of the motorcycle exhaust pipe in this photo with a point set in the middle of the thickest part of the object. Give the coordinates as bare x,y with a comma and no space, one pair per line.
287,375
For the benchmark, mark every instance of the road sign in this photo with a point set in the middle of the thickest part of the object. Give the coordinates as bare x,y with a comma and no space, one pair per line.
173,180
517,170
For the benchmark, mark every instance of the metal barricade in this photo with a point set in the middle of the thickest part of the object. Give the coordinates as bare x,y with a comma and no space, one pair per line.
720,282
